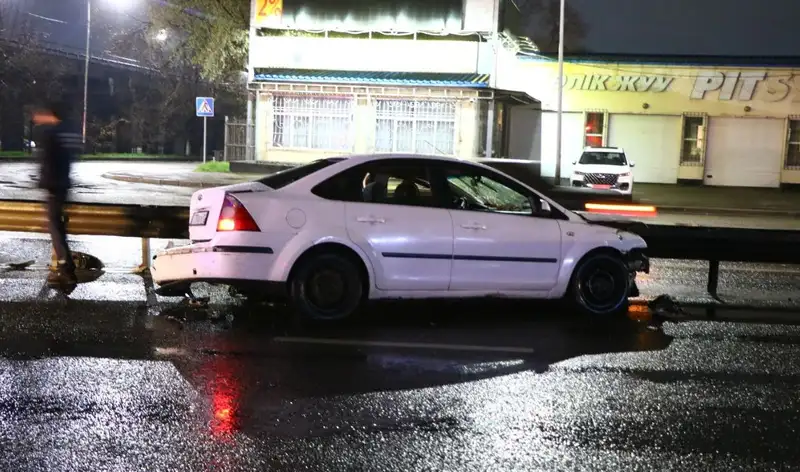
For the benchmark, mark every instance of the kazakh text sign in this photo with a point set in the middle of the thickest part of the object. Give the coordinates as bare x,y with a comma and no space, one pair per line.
618,83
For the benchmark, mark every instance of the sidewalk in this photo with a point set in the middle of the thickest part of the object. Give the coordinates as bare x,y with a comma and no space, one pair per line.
182,179
719,200
668,198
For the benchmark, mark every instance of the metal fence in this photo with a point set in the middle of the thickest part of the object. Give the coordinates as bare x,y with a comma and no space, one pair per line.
239,140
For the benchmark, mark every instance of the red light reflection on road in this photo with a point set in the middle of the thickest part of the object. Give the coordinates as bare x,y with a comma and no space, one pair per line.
225,392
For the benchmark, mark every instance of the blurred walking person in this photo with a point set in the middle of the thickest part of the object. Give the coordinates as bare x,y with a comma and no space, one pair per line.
57,144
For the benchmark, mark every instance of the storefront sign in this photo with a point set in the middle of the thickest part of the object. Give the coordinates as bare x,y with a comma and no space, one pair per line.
618,83
726,83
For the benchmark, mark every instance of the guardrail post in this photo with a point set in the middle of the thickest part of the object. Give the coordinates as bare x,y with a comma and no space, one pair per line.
145,265
713,277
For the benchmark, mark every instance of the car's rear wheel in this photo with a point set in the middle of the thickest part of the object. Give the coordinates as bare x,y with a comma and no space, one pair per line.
601,284
326,287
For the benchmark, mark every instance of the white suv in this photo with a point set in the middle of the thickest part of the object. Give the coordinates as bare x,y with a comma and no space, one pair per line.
603,168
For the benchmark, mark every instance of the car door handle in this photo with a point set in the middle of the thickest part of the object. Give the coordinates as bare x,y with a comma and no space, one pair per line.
473,226
370,219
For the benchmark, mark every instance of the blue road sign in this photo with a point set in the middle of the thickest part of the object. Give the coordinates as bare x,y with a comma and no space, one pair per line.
204,107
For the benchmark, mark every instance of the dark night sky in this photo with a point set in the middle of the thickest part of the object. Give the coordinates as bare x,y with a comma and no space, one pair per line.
717,27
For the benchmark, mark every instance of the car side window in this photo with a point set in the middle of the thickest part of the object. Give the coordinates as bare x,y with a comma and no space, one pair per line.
393,182
474,189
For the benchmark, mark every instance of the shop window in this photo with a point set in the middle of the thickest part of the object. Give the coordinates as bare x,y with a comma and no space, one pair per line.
595,124
692,140
313,123
416,126
793,146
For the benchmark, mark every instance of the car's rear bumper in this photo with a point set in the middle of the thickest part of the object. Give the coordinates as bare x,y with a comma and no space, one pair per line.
206,262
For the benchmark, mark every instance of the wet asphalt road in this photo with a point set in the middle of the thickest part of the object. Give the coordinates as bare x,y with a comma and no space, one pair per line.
118,380
18,181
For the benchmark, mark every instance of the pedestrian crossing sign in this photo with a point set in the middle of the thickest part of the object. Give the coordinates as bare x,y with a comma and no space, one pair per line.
204,107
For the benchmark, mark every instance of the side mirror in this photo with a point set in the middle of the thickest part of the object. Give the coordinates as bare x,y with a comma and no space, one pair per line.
544,207
633,164
574,162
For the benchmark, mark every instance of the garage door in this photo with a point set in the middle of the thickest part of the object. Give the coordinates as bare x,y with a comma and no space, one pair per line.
571,142
653,143
744,152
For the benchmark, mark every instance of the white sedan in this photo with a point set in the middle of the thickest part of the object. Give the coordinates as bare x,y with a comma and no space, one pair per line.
335,232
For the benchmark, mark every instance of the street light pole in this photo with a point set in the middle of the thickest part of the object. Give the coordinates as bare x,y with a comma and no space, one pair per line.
560,86
86,67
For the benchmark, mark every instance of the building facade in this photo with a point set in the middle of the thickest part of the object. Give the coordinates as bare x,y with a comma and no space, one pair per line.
326,80
713,124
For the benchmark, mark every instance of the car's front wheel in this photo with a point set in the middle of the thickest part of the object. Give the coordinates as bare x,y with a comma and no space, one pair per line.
601,284
326,287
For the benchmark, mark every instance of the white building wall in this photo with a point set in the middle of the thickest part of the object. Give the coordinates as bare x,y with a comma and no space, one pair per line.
396,55
652,142
571,142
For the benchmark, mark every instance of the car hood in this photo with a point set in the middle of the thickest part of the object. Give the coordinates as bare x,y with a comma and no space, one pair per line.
619,222
601,169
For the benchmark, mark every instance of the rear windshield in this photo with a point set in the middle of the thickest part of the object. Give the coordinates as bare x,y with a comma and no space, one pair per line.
603,158
286,177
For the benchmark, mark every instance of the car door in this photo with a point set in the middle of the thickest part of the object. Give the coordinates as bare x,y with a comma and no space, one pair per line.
395,218
499,241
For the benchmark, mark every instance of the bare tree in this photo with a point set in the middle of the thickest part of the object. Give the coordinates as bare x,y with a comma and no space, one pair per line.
28,74
160,97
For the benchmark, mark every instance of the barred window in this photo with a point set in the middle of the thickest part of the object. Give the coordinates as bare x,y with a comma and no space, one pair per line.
416,126
692,140
793,148
313,123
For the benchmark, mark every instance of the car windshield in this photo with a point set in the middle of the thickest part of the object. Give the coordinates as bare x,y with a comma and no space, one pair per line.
603,158
286,177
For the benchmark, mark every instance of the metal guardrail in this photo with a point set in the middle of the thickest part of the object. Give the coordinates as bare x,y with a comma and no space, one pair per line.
99,219
664,241
716,245
138,221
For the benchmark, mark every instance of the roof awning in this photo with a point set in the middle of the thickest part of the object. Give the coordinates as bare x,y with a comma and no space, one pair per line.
396,79
515,97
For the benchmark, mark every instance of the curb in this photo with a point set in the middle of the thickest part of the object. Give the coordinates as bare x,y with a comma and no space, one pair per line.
169,182
726,307
722,211
28,160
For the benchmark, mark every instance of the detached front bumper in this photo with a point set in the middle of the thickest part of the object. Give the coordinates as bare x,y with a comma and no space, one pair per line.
637,261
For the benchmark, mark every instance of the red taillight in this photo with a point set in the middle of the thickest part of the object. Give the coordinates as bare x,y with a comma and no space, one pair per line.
235,217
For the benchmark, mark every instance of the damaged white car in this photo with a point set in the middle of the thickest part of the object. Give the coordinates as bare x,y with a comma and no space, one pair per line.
337,232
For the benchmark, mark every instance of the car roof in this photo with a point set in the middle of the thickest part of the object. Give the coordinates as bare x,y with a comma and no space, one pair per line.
356,159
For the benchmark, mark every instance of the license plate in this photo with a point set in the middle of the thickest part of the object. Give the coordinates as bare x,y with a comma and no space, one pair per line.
602,187
199,218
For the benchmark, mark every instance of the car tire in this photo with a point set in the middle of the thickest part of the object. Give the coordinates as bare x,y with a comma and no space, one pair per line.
326,288
600,285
